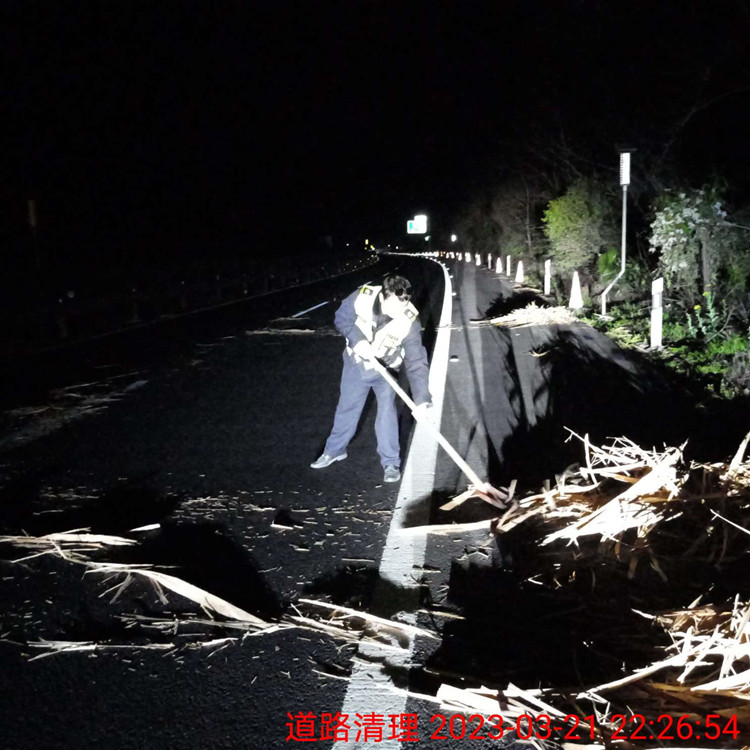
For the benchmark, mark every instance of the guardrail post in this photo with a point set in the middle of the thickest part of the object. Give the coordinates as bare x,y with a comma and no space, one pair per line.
547,277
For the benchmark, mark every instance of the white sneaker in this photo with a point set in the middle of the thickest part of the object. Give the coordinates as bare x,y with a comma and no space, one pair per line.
391,474
326,460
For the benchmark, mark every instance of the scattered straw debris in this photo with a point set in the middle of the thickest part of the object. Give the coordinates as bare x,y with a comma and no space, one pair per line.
624,487
69,544
378,623
208,602
625,505
708,670
50,648
24,424
651,481
510,703
75,547
643,512
534,315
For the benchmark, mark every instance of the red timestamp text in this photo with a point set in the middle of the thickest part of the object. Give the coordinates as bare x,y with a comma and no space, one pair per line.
374,728
669,727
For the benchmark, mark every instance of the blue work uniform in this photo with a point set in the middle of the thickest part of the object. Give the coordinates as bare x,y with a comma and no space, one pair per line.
357,379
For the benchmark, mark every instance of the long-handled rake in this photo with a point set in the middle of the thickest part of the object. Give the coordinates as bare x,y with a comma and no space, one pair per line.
478,488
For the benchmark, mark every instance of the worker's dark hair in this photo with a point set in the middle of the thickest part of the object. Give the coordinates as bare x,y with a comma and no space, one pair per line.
398,285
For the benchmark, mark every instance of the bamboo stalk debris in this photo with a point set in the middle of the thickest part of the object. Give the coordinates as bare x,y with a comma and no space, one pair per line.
67,539
511,702
443,528
619,507
68,647
208,602
344,623
712,643
69,544
378,622
629,499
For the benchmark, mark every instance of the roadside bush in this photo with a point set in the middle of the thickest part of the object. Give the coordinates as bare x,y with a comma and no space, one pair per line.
695,345
712,366
738,374
578,225
699,251
628,323
699,345
608,264
706,321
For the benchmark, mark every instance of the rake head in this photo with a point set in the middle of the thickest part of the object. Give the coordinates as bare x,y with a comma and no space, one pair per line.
485,491
492,495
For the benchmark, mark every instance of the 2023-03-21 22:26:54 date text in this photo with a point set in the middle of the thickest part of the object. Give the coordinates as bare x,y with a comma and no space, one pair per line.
374,728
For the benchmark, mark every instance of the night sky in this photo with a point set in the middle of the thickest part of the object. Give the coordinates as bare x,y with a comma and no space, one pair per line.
235,125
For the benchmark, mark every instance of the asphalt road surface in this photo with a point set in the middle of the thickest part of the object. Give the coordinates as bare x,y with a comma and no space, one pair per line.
206,426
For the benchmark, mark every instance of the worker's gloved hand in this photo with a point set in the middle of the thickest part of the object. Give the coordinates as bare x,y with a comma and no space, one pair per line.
363,349
423,412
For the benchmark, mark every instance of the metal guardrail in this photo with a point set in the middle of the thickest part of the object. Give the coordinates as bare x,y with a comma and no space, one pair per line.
72,316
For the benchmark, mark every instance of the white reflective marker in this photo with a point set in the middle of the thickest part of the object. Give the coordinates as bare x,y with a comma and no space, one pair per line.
657,312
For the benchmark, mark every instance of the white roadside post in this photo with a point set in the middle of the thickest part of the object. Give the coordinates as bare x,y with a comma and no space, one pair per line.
519,272
489,261
547,277
499,266
507,266
657,312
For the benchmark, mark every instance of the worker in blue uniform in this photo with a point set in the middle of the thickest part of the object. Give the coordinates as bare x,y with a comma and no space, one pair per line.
378,321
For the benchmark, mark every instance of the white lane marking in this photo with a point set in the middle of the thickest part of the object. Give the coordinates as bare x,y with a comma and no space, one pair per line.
309,309
370,687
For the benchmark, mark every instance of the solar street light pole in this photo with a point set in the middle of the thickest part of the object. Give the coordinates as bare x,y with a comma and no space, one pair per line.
624,182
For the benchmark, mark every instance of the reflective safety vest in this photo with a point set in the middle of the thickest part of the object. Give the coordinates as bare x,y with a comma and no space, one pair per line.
387,341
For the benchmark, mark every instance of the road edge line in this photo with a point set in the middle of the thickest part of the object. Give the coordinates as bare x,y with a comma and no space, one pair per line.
370,688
